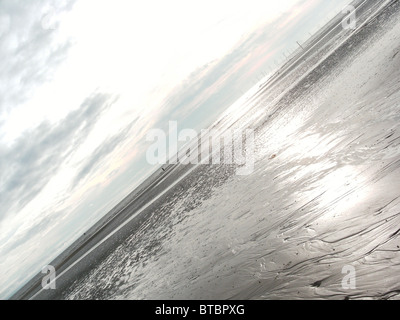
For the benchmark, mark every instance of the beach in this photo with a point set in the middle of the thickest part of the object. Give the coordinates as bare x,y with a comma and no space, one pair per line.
324,194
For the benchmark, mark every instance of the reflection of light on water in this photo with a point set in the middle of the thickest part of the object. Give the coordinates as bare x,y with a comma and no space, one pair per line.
310,145
344,189
316,172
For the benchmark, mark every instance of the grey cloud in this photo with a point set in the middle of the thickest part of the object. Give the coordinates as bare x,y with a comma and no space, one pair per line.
106,148
27,166
28,51
182,99
38,228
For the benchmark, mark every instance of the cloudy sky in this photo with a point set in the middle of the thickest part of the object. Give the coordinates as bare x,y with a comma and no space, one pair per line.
81,84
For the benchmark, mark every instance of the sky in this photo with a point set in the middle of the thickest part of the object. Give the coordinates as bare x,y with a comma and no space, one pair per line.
81,84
